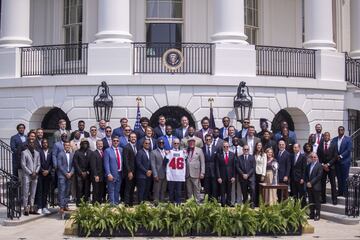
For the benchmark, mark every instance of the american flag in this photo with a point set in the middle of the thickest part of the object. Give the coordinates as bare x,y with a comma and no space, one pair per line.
138,116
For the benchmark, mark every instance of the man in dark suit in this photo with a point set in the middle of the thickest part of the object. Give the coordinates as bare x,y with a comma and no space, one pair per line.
44,179
267,142
168,138
284,161
113,165
246,170
120,130
250,139
143,172
16,141
264,128
278,135
160,129
217,141
149,135
298,167
327,157
231,135
316,138
107,140
243,132
130,152
205,123
65,171
39,138
182,132
140,132
225,173
224,131
343,146
62,129
81,129
81,162
313,177
210,180
97,173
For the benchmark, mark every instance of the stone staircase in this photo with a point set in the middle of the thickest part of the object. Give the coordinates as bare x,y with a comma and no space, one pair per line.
337,213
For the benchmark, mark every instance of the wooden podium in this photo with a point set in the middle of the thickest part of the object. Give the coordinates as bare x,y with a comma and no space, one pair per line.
280,186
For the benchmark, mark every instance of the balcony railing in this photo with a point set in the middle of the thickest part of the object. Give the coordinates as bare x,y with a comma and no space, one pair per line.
188,58
283,61
352,70
54,59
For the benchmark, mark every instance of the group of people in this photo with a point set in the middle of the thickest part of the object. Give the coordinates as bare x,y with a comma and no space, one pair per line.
229,165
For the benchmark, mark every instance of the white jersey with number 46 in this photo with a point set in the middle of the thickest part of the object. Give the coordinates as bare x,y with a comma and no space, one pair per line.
175,168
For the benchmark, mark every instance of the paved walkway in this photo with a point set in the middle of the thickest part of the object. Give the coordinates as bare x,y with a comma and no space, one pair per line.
51,227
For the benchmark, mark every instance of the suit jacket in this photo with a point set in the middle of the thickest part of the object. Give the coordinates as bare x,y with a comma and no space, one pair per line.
57,148
246,167
270,144
244,141
292,136
157,164
96,165
198,142
139,144
29,163
329,156
63,165
210,161
345,149
222,132
225,171
219,144
179,133
15,143
110,162
195,164
240,133
298,168
118,132
313,138
81,161
123,141
200,134
167,145
45,163
86,135
129,159
105,143
315,177
57,135
284,162
139,133
143,164
158,132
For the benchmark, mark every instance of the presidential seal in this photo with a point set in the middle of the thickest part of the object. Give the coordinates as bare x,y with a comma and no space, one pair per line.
173,59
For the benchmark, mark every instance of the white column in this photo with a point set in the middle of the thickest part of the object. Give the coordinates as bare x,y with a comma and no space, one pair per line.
355,28
229,21
113,21
319,25
15,23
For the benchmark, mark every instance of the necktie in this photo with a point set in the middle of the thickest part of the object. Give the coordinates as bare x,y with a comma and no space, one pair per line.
209,151
296,158
226,158
245,157
318,139
134,149
118,158
326,146
101,154
236,151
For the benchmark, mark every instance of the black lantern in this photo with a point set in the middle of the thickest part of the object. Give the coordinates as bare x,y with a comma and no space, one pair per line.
103,103
242,103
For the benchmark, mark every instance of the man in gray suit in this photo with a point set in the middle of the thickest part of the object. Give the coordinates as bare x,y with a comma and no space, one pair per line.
250,139
61,130
65,172
195,170
157,157
30,164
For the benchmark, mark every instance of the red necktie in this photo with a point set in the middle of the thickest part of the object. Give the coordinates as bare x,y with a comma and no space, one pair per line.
226,158
118,158
101,154
318,139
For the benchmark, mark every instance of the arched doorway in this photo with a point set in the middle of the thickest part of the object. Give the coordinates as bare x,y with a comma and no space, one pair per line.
282,116
51,120
172,115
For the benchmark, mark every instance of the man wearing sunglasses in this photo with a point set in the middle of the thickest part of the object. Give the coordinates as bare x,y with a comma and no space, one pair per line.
107,140
158,166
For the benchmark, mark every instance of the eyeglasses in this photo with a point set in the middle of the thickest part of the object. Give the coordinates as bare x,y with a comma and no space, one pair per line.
93,130
160,142
108,131
147,143
176,143
127,130
246,149
209,139
246,122
226,146
115,140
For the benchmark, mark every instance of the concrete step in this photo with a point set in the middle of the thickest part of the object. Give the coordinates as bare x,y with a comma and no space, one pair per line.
354,170
25,219
338,218
340,200
329,207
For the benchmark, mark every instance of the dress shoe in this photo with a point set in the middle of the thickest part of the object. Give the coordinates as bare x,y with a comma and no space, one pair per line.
316,218
26,211
311,216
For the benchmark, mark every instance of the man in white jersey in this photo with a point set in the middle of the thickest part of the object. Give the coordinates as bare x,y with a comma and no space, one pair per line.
175,171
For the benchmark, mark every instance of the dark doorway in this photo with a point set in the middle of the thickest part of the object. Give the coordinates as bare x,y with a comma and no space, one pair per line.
172,115
282,116
51,120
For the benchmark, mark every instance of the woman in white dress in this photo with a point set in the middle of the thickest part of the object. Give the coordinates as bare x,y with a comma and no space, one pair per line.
260,170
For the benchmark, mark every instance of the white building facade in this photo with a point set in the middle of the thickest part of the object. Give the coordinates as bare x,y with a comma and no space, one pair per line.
223,42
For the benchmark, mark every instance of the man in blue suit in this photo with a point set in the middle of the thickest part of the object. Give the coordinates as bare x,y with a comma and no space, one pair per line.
113,164
343,146
182,131
65,171
120,130
57,148
143,171
16,141
284,160
168,138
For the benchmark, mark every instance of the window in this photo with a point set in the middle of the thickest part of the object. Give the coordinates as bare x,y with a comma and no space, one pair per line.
163,24
251,20
73,27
